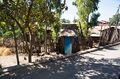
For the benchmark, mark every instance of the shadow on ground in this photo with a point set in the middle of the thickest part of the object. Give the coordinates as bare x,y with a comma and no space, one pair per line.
76,67
110,48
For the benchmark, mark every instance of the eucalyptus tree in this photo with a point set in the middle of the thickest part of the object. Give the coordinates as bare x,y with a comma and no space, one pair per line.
85,8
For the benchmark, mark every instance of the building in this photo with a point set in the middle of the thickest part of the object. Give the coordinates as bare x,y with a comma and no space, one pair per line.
68,41
104,34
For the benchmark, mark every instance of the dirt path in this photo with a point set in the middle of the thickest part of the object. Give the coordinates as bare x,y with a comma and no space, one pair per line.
8,61
103,64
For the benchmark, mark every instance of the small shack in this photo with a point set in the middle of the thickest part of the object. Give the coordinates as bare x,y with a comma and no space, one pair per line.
110,35
68,41
104,35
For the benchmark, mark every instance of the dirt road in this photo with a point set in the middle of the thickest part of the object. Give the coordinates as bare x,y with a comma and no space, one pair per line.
101,64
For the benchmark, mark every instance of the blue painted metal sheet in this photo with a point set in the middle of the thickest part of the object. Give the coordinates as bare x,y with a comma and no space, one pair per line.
68,45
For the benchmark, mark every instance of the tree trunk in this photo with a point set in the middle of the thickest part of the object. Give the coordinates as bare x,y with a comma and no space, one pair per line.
16,46
38,45
25,25
27,21
30,49
46,39
83,40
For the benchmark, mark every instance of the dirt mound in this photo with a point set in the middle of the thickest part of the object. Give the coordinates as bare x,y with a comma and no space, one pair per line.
4,51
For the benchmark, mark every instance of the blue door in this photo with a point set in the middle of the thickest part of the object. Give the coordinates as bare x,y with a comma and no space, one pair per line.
68,45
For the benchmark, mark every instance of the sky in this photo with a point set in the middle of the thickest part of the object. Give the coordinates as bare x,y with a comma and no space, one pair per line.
107,8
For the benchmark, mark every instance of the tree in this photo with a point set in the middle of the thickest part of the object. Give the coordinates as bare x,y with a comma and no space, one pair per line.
5,11
94,20
24,14
56,7
85,8
115,20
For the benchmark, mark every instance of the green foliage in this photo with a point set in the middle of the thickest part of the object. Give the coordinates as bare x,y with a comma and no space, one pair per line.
55,29
65,20
19,9
54,35
14,12
58,6
23,18
93,20
18,32
115,20
85,8
41,32
8,34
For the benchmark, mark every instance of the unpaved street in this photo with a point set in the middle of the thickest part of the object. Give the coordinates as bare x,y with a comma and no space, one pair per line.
101,64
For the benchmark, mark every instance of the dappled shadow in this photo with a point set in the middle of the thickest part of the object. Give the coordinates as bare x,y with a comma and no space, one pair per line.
97,54
110,48
75,67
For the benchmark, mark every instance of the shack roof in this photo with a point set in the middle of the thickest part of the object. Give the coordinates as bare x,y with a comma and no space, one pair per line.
67,32
96,31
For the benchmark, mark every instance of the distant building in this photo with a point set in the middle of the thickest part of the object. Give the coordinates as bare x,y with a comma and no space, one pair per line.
96,30
103,23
